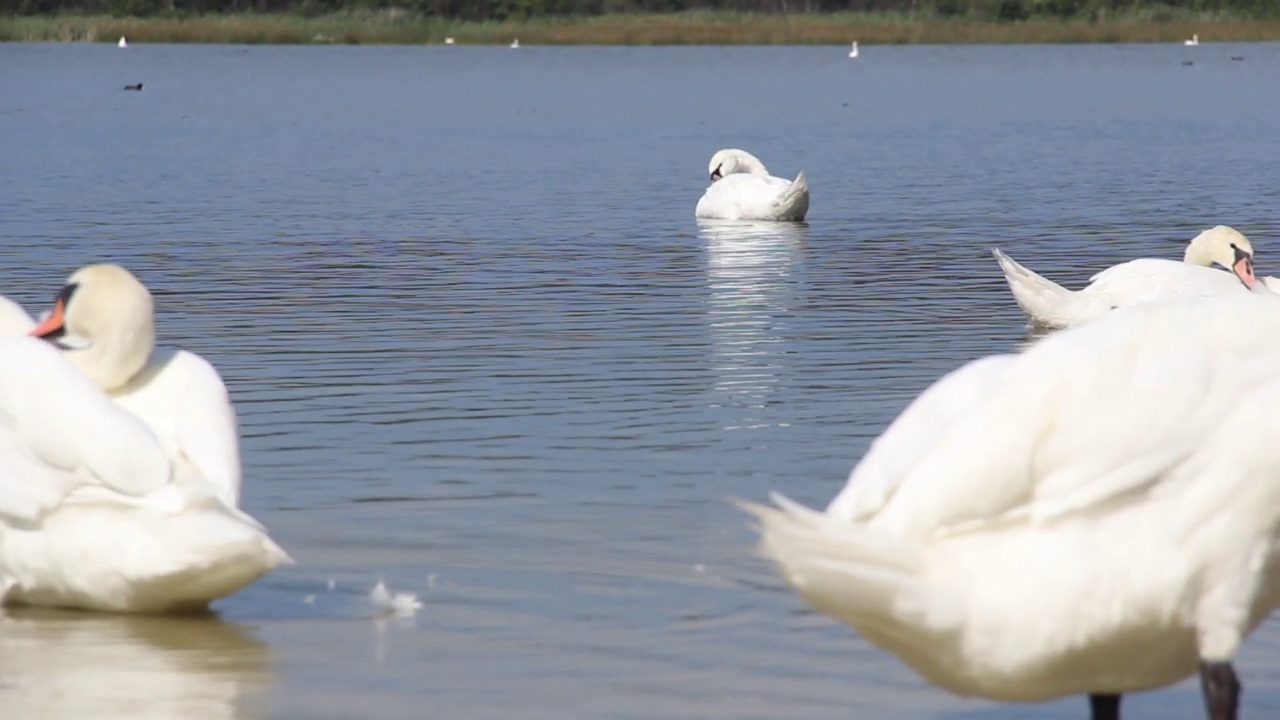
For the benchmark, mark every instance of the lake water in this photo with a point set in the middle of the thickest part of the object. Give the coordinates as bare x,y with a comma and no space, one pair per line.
481,350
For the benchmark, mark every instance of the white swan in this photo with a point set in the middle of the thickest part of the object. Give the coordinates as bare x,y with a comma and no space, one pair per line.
122,43
120,466
1137,281
853,49
1098,515
1195,40
742,189
515,44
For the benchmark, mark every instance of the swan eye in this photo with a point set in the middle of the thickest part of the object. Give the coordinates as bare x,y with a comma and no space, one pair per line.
1239,254
715,174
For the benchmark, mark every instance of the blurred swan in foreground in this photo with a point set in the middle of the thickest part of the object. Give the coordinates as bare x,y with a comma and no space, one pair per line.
742,189
1137,281
68,665
1097,515
121,465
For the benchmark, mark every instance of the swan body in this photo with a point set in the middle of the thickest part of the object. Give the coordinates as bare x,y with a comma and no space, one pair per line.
120,464
1195,40
1096,515
742,189
1137,281
853,49
122,42
13,319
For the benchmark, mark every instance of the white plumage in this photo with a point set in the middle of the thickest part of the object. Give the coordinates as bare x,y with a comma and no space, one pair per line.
742,189
119,465
1096,515
1138,281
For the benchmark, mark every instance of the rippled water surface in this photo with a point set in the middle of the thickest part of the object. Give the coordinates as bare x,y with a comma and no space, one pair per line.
482,351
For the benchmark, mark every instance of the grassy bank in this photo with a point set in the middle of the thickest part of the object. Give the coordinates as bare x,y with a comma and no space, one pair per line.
718,28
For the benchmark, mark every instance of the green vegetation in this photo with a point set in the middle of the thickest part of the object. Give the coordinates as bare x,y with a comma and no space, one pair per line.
639,22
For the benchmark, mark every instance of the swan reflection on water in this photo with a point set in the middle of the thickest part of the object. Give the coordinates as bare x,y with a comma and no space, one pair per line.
57,665
752,270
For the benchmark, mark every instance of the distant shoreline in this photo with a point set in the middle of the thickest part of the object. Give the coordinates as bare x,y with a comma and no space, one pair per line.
398,27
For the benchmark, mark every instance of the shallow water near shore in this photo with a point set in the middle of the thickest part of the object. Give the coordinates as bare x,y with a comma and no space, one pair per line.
481,350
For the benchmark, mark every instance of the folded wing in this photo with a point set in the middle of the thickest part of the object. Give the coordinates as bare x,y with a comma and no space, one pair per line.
182,398
59,432
1086,417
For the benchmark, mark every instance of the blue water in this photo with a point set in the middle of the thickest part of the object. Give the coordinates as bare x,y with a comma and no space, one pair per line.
481,350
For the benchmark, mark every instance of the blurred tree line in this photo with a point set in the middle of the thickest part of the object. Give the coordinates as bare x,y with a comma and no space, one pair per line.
999,10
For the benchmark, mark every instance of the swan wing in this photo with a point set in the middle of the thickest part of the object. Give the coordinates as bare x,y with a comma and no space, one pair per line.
182,398
742,196
1088,416
1152,279
59,432
915,433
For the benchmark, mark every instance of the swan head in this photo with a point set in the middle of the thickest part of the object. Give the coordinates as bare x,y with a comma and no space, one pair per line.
102,320
732,160
1227,247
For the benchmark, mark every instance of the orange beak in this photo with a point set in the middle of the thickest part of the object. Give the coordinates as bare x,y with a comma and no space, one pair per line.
53,323
1243,269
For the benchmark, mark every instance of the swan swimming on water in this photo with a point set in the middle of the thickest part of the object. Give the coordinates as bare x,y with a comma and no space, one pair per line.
123,43
1098,515
853,50
1195,40
1137,281
121,478
742,189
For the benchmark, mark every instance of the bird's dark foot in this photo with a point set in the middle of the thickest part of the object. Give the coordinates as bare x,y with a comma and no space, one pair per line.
1221,690
1104,707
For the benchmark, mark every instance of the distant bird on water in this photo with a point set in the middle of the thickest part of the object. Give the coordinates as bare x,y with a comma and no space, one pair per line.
123,43
515,44
448,41
138,86
1195,40
853,50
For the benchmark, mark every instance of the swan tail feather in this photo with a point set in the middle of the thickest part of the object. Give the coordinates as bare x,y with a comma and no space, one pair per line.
793,203
1044,301
865,577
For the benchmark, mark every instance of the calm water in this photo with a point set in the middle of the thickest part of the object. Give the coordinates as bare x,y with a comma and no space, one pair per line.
480,348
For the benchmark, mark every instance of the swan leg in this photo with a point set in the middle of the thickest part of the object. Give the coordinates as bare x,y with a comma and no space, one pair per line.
1221,690
1104,707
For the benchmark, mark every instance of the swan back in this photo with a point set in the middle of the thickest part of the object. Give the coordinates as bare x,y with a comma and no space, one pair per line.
103,321
732,160
13,319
